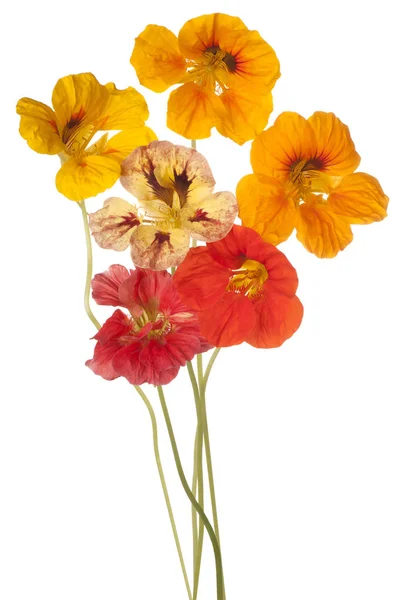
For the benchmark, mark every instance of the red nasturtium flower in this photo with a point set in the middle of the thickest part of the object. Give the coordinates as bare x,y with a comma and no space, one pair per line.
157,336
244,290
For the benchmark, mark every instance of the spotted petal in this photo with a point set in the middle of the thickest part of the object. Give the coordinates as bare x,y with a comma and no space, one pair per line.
112,225
158,250
210,218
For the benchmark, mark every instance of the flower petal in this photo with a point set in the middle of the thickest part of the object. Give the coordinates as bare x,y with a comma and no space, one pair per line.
81,178
125,109
126,362
112,225
38,126
335,148
359,199
101,363
228,322
193,111
79,102
290,139
157,59
245,113
155,171
119,324
210,218
267,207
321,231
200,280
105,286
124,142
207,31
277,319
158,250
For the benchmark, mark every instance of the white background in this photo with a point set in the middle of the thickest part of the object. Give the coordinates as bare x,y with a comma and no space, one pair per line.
305,438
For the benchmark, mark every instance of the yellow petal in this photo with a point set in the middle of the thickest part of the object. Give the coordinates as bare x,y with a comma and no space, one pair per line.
193,111
335,148
211,217
321,231
81,178
158,250
245,113
267,207
38,126
157,59
123,143
79,102
126,109
112,225
274,152
359,199
207,31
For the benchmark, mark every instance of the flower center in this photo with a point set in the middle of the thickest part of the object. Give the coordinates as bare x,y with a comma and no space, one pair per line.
249,279
213,69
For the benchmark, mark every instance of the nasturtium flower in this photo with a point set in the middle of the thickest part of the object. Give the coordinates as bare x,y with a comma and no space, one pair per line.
243,289
227,72
304,179
152,337
81,108
175,202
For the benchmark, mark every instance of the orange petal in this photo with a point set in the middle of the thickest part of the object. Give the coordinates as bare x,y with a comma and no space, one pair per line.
112,225
81,178
256,63
193,111
359,199
158,250
266,207
157,59
290,140
277,319
208,31
321,231
246,113
335,148
38,126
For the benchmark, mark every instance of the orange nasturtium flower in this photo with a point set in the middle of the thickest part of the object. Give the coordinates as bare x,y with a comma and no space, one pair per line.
83,107
227,72
175,202
304,179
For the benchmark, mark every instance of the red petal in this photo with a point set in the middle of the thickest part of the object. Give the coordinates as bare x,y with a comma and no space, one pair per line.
105,285
234,248
278,317
115,327
228,322
127,364
101,363
200,281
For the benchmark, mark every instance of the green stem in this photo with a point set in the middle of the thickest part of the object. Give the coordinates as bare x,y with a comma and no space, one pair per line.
89,268
193,144
210,365
199,510
164,487
197,481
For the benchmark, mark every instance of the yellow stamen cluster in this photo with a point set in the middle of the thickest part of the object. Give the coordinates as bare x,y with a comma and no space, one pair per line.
249,279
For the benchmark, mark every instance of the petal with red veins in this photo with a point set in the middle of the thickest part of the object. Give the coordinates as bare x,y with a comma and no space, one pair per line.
114,328
277,319
229,321
158,250
127,364
210,218
101,363
112,225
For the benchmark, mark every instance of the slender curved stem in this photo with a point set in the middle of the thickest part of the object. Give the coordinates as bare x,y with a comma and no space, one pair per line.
197,481
199,510
164,487
210,366
89,268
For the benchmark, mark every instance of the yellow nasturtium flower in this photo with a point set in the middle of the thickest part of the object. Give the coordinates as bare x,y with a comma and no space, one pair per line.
227,72
81,108
304,179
